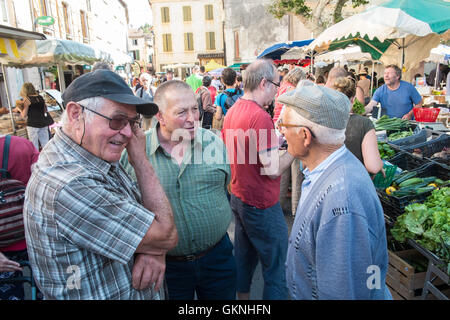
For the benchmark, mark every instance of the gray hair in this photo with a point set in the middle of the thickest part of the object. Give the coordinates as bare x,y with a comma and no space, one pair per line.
336,72
94,103
165,88
101,65
256,71
324,135
294,76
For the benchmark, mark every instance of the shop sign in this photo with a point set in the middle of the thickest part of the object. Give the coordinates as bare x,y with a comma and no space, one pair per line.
45,20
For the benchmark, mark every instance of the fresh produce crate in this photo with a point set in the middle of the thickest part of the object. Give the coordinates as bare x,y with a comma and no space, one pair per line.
428,148
394,206
407,161
402,278
426,114
414,139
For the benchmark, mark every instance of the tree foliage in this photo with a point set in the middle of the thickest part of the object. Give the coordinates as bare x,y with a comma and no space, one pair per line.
309,14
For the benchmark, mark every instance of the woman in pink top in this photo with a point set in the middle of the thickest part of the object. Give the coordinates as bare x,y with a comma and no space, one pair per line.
289,82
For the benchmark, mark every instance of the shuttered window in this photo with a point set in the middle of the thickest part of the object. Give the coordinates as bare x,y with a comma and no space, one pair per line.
210,41
167,42
209,14
189,41
165,16
187,14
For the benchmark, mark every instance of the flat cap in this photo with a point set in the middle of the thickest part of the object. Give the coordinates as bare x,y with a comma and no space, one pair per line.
319,104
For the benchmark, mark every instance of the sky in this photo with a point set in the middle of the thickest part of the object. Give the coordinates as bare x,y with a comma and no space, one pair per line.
139,12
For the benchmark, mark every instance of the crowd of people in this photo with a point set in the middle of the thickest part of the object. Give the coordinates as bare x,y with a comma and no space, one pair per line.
115,212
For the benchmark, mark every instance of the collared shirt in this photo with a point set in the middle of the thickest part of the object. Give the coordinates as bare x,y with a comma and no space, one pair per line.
196,188
310,177
83,222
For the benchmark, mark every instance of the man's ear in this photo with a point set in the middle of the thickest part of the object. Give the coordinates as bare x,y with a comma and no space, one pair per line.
159,117
74,113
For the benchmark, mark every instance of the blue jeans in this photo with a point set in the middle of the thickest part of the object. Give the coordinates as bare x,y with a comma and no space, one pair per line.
212,277
260,234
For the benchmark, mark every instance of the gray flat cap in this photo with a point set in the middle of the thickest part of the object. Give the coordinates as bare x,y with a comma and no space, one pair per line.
319,104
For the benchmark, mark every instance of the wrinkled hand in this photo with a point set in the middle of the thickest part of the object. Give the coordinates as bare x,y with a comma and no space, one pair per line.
148,270
136,145
7,265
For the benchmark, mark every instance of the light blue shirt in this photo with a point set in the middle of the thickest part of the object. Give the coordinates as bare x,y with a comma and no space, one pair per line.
311,177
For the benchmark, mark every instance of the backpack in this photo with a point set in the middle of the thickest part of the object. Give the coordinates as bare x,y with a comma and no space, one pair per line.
198,96
12,194
232,97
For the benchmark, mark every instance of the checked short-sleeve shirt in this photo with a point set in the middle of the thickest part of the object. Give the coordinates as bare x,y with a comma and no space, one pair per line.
83,222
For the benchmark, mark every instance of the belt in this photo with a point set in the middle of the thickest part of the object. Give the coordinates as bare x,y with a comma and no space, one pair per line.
191,257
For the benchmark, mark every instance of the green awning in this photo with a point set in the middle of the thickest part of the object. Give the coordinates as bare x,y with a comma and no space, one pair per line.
374,47
237,66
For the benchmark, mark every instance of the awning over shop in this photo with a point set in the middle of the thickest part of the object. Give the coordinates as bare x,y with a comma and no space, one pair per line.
237,66
65,52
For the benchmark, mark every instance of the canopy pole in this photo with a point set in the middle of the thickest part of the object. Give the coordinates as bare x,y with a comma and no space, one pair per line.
371,80
9,101
403,52
62,81
436,77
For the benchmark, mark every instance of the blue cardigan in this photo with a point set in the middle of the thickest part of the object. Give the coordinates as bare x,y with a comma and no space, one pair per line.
337,247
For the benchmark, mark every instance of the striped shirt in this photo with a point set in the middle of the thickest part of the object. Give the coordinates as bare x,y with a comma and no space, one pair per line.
196,189
83,222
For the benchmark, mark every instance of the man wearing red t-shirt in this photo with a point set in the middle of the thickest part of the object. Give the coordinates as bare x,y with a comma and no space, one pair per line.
22,154
261,230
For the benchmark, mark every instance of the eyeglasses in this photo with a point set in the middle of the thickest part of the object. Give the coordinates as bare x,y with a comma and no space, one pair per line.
118,122
274,83
288,125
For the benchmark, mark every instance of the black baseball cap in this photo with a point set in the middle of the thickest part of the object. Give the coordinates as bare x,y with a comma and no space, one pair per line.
109,85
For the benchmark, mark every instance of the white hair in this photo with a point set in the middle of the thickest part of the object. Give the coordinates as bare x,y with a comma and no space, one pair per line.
324,135
94,103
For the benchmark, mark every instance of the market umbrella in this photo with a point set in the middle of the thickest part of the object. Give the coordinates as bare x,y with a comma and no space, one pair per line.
212,65
216,72
274,52
440,54
398,32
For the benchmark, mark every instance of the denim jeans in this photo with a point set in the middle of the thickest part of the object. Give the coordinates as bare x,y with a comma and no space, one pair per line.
212,277
260,234
38,136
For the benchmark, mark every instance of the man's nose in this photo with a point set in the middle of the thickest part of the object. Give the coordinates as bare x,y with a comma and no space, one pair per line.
127,131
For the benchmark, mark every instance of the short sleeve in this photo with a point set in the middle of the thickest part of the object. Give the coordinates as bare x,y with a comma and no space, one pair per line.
265,132
367,125
415,95
101,219
377,95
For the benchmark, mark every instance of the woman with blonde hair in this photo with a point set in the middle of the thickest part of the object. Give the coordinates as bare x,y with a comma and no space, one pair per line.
35,111
360,137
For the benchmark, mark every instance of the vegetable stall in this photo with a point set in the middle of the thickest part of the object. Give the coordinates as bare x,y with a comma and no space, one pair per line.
415,195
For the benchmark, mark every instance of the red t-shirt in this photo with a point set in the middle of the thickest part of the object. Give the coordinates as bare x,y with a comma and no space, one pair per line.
247,130
22,154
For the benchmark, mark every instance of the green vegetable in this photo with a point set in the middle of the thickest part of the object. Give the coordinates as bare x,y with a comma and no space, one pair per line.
424,189
386,123
410,182
405,176
428,224
400,135
358,107
385,150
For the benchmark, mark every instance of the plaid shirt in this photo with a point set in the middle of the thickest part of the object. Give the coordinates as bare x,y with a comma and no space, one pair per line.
196,189
83,222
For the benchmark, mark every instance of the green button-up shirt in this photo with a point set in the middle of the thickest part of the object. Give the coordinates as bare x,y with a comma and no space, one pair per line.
196,188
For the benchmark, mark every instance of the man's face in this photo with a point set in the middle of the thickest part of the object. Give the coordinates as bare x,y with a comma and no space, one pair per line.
390,76
144,81
270,90
169,76
294,140
181,113
100,139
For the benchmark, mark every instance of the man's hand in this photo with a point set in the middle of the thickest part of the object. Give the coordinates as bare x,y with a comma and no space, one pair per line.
7,265
148,270
136,146
407,116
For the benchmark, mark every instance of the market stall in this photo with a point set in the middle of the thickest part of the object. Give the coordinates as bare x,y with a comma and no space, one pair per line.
415,195
395,32
274,52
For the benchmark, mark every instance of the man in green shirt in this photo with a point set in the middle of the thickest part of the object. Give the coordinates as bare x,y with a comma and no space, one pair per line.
192,166
195,80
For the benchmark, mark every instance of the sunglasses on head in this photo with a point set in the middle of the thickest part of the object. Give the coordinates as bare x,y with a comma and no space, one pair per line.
118,122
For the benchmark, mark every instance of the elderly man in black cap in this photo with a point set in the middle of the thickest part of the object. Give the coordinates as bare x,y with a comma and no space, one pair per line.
90,233
337,247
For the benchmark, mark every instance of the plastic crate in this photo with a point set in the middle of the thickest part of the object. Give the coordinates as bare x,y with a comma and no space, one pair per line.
428,148
426,114
383,182
394,206
407,161
416,138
